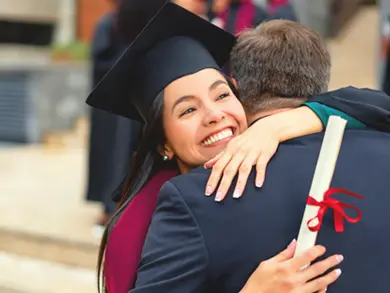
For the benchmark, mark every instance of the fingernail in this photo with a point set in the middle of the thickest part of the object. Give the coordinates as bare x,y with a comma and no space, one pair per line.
259,183
292,243
209,190
204,166
338,272
237,193
326,289
218,197
339,258
304,267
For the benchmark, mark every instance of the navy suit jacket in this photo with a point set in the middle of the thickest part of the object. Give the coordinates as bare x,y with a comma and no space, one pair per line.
196,245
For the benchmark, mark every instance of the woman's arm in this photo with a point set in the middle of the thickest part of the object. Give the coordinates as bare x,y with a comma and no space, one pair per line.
258,144
311,117
371,107
324,112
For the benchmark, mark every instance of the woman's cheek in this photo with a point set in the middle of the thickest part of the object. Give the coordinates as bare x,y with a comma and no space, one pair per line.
237,113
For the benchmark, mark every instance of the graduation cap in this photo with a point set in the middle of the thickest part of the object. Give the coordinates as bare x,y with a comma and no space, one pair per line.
175,43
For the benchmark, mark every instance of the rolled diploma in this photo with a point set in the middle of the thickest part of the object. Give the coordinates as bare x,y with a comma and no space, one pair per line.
323,174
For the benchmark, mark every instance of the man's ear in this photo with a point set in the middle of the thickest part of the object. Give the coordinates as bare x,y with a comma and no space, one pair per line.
234,82
166,150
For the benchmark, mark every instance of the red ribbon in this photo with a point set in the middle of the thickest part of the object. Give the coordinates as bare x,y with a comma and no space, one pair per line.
338,210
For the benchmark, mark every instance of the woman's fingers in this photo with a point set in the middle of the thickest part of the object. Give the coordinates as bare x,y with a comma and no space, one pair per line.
322,283
216,172
321,267
228,175
282,273
226,166
307,257
220,164
286,254
243,174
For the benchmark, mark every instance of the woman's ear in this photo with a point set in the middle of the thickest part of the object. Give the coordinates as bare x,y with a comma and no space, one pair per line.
234,81
165,150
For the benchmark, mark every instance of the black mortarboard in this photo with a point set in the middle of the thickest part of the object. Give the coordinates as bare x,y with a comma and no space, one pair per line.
175,43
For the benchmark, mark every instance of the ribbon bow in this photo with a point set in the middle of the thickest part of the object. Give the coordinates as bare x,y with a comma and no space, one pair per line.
338,210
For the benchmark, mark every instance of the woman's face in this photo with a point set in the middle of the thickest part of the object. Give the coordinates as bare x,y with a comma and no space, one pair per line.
201,115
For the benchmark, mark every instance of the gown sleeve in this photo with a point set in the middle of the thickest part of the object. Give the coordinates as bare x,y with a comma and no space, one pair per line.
324,112
371,107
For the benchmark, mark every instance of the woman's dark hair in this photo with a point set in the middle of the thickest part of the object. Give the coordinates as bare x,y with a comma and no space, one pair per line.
146,163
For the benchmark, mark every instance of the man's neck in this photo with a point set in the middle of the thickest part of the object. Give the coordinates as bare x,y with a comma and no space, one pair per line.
265,113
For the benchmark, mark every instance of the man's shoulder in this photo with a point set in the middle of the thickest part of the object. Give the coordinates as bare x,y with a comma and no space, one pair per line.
365,139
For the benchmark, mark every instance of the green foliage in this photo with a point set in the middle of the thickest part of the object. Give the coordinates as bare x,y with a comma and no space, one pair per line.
76,51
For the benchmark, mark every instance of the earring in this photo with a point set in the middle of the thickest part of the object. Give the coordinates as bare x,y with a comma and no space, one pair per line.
165,158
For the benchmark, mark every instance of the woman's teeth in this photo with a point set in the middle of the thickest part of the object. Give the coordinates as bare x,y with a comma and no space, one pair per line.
217,137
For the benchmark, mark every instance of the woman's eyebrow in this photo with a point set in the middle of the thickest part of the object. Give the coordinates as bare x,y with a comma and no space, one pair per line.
216,84
181,100
187,98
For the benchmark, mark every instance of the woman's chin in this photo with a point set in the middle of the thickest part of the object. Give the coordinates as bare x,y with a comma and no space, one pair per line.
213,150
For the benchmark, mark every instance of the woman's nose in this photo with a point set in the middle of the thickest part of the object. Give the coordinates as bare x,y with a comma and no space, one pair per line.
214,115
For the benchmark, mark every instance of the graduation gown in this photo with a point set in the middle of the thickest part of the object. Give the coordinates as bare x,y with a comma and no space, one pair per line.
112,138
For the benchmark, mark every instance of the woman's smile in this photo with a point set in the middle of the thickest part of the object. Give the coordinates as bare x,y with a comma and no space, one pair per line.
219,137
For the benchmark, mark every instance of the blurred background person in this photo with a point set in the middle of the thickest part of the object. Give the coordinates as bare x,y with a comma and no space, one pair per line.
141,11
112,138
105,49
235,16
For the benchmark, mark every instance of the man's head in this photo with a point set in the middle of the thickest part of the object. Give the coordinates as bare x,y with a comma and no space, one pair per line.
278,65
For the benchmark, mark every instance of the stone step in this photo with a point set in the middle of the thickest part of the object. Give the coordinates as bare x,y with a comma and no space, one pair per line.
46,247
9,290
42,210
28,275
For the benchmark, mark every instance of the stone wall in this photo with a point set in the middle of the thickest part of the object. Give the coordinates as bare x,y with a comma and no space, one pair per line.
52,99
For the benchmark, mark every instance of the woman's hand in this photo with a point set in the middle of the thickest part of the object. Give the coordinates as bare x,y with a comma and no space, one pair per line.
256,146
284,274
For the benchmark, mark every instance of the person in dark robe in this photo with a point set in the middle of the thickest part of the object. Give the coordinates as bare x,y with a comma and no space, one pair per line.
134,222
112,138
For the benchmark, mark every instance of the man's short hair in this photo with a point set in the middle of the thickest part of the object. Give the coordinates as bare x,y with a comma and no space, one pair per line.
277,61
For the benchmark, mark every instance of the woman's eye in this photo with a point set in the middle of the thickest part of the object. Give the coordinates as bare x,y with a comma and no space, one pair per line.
188,111
222,96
